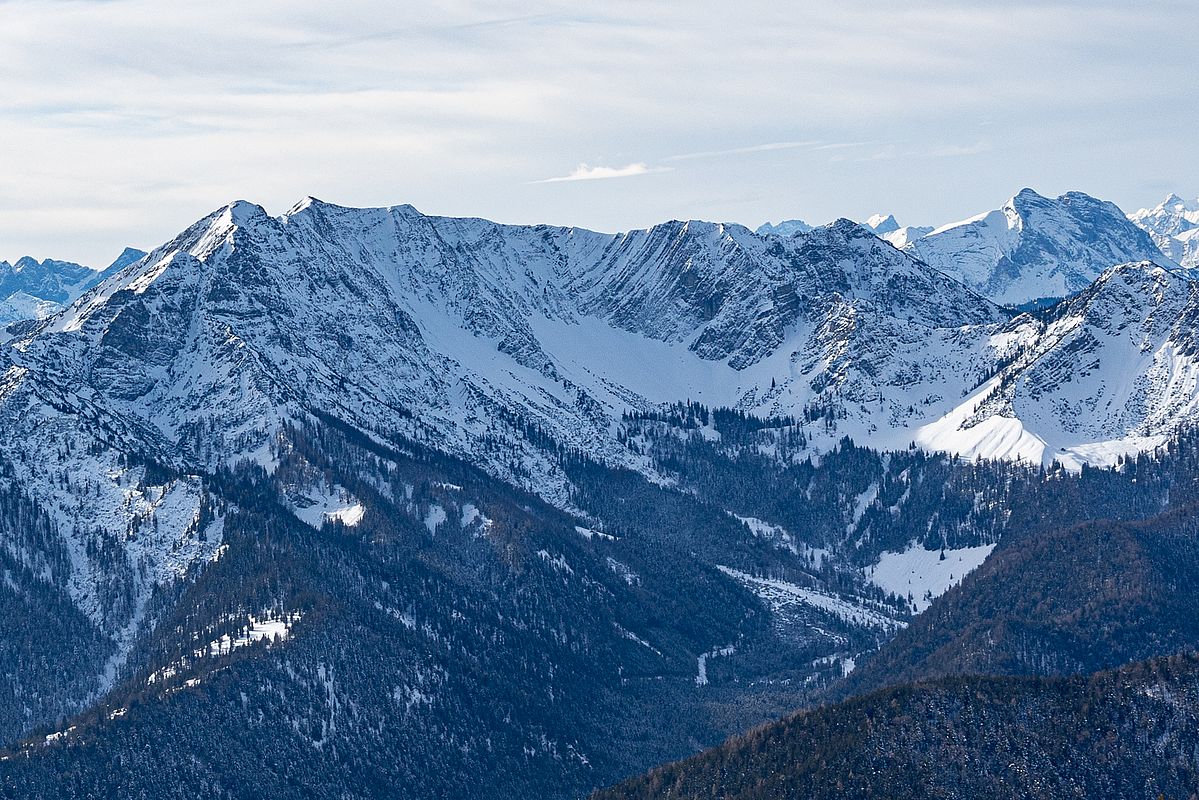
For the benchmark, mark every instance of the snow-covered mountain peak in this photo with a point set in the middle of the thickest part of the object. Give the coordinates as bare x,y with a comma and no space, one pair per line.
303,204
1035,247
1127,294
1174,226
845,233
1172,200
31,264
243,212
700,228
1173,204
1109,371
882,224
844,227
315,205
1137,270
1136,291
1029,196
128,256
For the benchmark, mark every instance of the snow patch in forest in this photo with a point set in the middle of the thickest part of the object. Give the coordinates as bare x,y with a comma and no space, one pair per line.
588,533
271,629
701,662
778,595
860,504
923,575
434,517
472,517
626,574
775,534
318,505
555,561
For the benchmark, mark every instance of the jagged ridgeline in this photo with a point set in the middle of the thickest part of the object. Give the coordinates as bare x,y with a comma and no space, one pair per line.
363,502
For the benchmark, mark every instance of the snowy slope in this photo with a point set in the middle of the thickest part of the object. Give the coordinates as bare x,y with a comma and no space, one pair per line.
901,237
1174,226
1111,371
461,331
1035,247
923,575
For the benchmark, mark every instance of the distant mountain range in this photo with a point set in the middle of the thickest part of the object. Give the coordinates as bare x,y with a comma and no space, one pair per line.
1173,224
1034,250
33,290
446,318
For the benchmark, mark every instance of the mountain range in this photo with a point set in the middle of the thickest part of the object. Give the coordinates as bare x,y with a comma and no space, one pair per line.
1035,250
378,490
1172,225
31,289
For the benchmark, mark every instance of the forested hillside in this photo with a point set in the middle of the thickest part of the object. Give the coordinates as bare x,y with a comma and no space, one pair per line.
1131,733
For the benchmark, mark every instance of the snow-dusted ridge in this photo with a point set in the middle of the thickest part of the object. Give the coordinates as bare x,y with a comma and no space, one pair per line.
1112,371
1174,226
1036,247
406,324
436,327
463,332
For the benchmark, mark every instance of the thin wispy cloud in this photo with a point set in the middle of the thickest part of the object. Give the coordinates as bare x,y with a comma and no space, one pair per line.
584,172
840,145
737,151
954,150
892,152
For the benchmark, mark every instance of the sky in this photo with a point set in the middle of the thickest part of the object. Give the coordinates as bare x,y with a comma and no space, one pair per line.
123,121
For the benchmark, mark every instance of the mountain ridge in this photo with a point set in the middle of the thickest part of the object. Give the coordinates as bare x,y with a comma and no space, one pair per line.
624,464
1035,247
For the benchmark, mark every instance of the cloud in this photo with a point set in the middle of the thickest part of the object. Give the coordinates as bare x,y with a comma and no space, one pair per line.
736,151
891,152
954,150
586,173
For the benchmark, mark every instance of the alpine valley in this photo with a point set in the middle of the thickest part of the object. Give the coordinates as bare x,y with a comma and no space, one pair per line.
357,503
